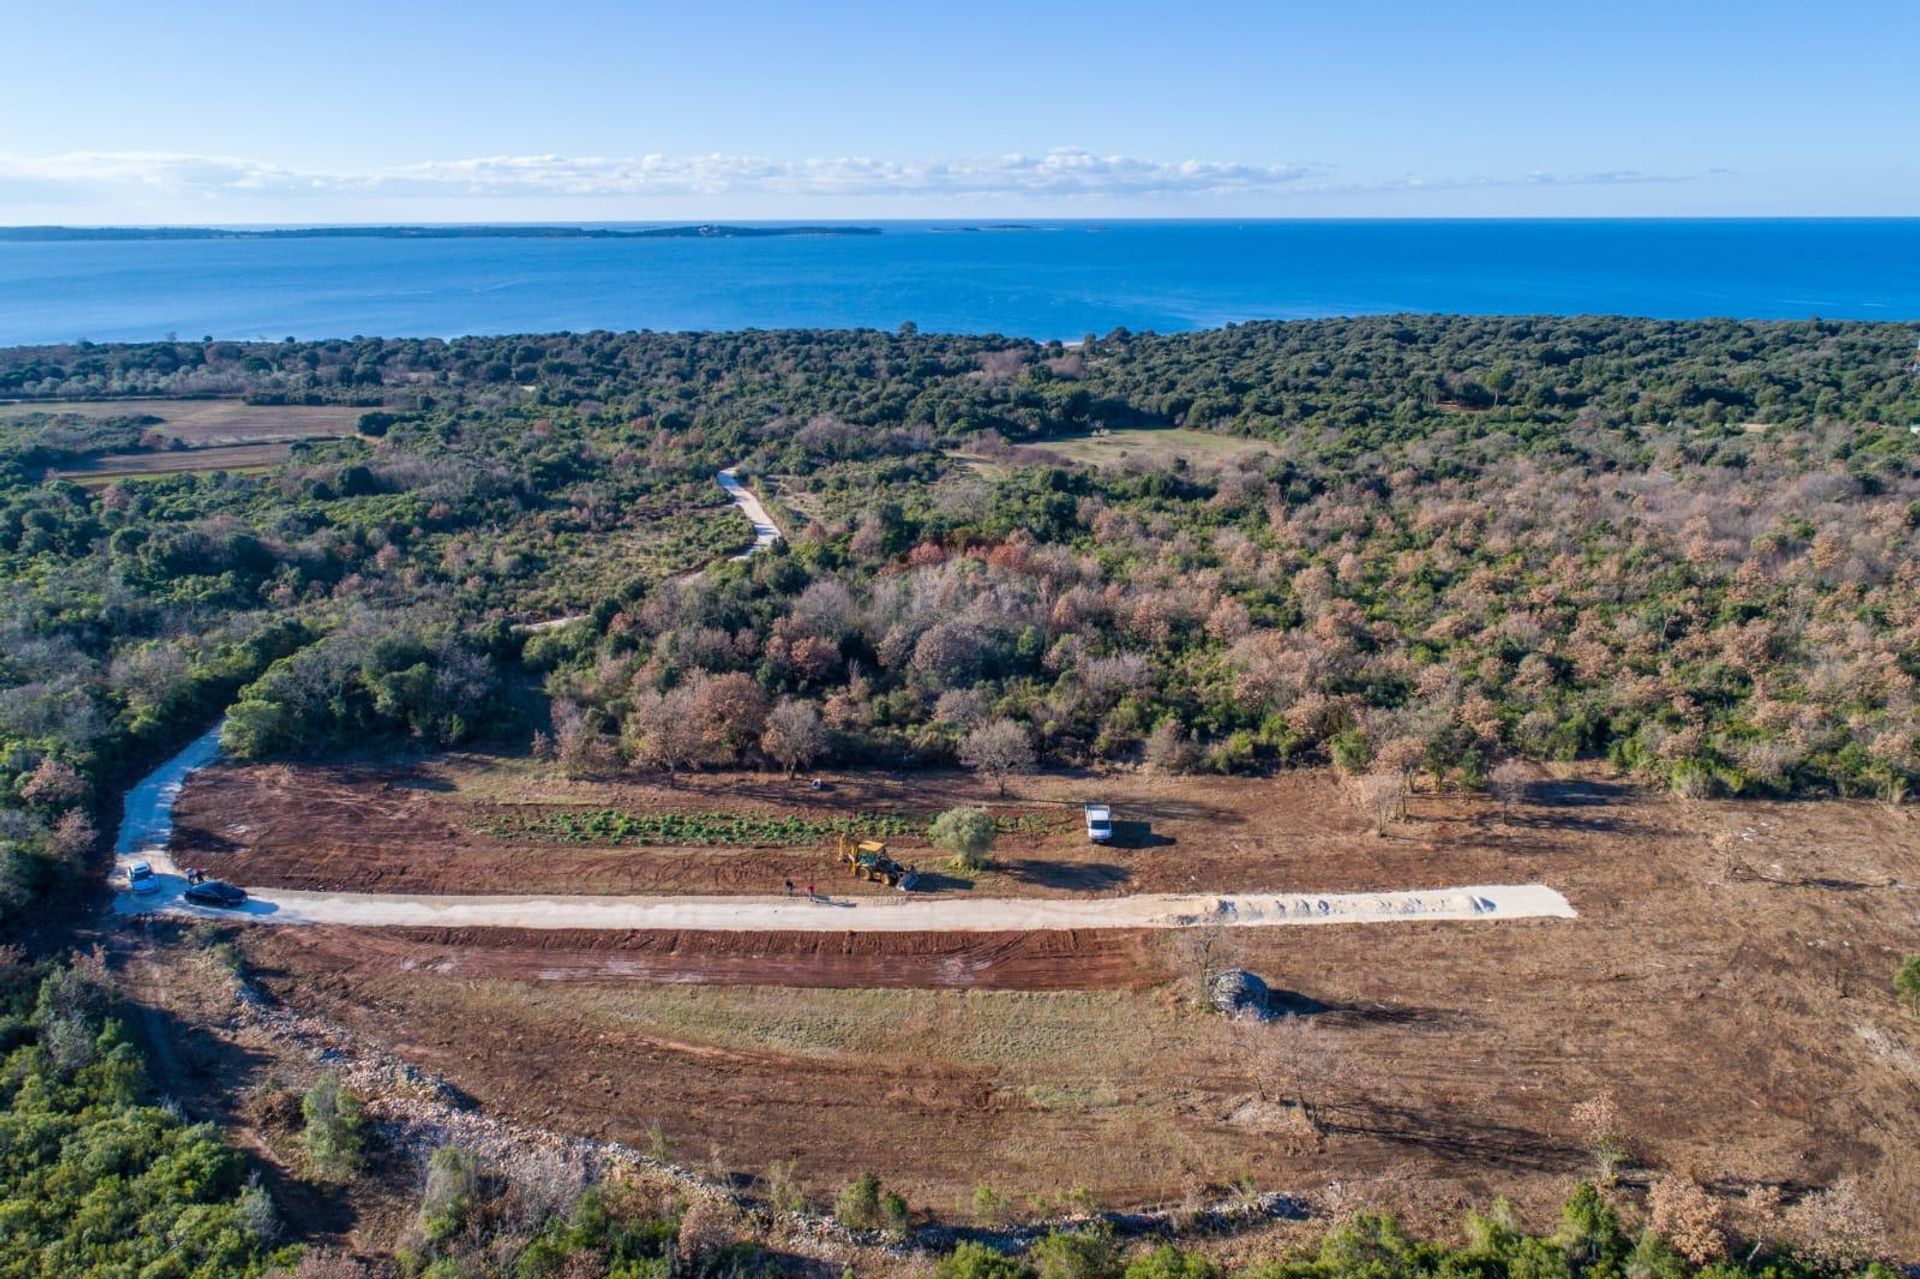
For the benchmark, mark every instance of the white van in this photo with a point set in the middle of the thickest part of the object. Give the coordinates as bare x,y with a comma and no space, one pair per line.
1099,823
141,879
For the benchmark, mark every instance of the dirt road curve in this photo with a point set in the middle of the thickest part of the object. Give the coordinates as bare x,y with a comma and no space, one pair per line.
765,531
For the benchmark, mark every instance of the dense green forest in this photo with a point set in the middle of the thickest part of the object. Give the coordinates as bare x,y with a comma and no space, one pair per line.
1686,548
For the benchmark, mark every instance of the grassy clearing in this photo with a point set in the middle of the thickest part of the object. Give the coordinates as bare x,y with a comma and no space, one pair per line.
1068,1044
1158,447
578,567
1098,1094
239,458
980,466
209,423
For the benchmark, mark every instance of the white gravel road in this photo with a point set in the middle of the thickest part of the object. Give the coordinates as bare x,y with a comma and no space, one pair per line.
829,914
765,531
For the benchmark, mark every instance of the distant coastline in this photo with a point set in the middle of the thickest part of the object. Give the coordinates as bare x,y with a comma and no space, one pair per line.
505,231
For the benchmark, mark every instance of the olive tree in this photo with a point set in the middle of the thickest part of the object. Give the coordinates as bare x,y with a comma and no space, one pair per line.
965,834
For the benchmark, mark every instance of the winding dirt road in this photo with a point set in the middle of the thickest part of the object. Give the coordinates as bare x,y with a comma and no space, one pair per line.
765,531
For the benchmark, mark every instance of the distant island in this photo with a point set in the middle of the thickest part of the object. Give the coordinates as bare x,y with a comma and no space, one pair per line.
704,231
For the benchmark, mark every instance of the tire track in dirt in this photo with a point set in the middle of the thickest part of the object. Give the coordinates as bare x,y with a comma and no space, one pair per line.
1096,959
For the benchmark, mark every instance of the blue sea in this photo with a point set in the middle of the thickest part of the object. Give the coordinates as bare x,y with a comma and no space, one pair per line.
1039,280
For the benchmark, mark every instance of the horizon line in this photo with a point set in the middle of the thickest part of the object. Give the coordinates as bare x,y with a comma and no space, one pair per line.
995,221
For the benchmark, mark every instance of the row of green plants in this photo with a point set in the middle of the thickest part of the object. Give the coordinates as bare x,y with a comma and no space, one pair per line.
728,830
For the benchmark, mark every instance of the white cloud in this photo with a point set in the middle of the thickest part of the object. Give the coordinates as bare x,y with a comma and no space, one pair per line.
1063,172
1539,178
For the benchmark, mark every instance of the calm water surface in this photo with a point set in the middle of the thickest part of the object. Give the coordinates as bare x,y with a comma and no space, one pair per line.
1054,280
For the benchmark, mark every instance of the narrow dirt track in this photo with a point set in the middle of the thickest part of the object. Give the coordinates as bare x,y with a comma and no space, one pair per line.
1094,960
765,531
765,534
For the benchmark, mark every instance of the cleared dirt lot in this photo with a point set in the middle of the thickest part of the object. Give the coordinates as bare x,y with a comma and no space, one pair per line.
1746,1027
232,457
1156,447
459,825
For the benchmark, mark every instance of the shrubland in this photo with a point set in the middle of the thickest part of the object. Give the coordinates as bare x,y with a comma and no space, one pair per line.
97,1175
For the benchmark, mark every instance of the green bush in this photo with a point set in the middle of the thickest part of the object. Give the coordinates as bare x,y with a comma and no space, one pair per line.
1074,1254
964,834
453,1180
1906,982
335,1137
977,1261
93,1179
895,1217
858,1206
1169,1262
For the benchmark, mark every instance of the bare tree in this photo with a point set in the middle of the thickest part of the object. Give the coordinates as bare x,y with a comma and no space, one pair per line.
1382,796
1837,1229
998,749
1199,953
731,712
794,736
964,708
1682,1212
73,835
1299,1061
1604,1130
53,782
578,748
1507,783
1168,748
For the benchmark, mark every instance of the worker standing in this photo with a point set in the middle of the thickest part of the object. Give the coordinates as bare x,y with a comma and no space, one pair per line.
789,888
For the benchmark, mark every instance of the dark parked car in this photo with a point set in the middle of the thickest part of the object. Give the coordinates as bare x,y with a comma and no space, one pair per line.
216,892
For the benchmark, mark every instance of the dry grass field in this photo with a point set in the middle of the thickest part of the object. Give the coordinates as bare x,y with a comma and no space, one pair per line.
130,466
1156,448
202,435
210,423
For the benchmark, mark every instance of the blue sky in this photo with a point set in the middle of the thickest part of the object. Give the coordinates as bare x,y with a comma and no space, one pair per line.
213,112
